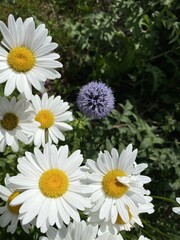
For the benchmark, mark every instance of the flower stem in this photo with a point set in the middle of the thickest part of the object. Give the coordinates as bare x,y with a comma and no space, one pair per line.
46,135
157,230
164,199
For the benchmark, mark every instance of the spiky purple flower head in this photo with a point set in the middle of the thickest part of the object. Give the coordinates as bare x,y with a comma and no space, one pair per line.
95,100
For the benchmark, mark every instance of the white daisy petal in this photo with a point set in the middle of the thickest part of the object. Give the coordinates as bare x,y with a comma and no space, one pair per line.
31,183
132,207
39,38
73,213
4,192
114,213
13,29
143,238
10,86
54,157
8,38
114,159
23,196
45,49
4,66
43,213
52,212
27,89
33,199
122,210
20,78
177,209
75,159
62,155
5,75
92,165
30,215
122,160
3,53
53,137
64,215
106,207
73,199
36,83
46,73
40,159
5,219
38,136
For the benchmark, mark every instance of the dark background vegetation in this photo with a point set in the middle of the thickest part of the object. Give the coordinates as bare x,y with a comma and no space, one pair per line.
133,46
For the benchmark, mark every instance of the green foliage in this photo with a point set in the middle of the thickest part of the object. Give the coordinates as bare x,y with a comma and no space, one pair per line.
133,46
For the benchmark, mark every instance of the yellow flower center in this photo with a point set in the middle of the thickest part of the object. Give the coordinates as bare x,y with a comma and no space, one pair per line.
119,219
21,59
9,121
14,209
111,186
46,118
53,183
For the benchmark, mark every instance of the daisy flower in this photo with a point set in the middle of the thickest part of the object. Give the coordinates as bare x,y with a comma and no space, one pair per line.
52,115
107,226
78,231
74,231
177,209
95,100
108,236
143,238
16,123
117,185
26,58
10,215
52,188
120,225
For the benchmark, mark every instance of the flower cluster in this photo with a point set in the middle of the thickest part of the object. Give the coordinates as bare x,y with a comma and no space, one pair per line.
60,193
53,186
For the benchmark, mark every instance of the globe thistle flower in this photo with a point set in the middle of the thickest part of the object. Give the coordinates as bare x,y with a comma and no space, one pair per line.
95,100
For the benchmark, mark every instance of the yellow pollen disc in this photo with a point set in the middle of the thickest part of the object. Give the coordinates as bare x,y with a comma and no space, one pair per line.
46,118
119,219
9,121
14,209
53,183
111,186
21,59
